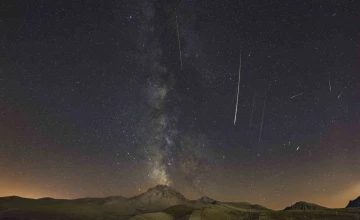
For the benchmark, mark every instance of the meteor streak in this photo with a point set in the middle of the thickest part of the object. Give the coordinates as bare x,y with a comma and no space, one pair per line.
252,111
237,97
262,118
339,95
296,95
178,36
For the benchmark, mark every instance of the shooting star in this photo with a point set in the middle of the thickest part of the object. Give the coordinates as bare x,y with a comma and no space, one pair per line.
252,110
178,36
329,84
339,95
297,148
237,97
262,118
296,95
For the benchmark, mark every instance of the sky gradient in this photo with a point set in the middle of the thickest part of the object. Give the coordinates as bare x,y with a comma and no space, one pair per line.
101,98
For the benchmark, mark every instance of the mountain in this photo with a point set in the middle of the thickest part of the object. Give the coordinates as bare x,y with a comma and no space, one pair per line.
305,206
102,201
354,203
247,206
206,200
161,203
158,198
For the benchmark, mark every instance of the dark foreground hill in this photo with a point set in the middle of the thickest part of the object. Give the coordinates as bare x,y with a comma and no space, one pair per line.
354,203
305,206
160,203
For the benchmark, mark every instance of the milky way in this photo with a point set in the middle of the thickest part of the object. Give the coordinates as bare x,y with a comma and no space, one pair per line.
158,147
173,157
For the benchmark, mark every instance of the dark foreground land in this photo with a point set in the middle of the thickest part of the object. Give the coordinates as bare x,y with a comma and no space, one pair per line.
162,203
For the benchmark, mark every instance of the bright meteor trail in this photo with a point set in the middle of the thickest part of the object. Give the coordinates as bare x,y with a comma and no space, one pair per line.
237,96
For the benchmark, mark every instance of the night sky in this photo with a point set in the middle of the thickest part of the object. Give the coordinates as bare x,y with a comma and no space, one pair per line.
96,100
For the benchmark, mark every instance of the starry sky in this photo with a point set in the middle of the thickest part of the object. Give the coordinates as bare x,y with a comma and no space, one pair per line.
101,98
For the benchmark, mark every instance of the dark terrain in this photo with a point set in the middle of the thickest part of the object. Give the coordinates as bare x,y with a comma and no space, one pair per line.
164,203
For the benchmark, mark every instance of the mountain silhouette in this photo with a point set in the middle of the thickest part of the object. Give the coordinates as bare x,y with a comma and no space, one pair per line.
163,203
354,203
158,198
206,200
305,206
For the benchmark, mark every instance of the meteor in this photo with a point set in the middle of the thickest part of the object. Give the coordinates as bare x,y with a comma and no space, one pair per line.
262,118
237,97
296,95
252,110
339,95
178,36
